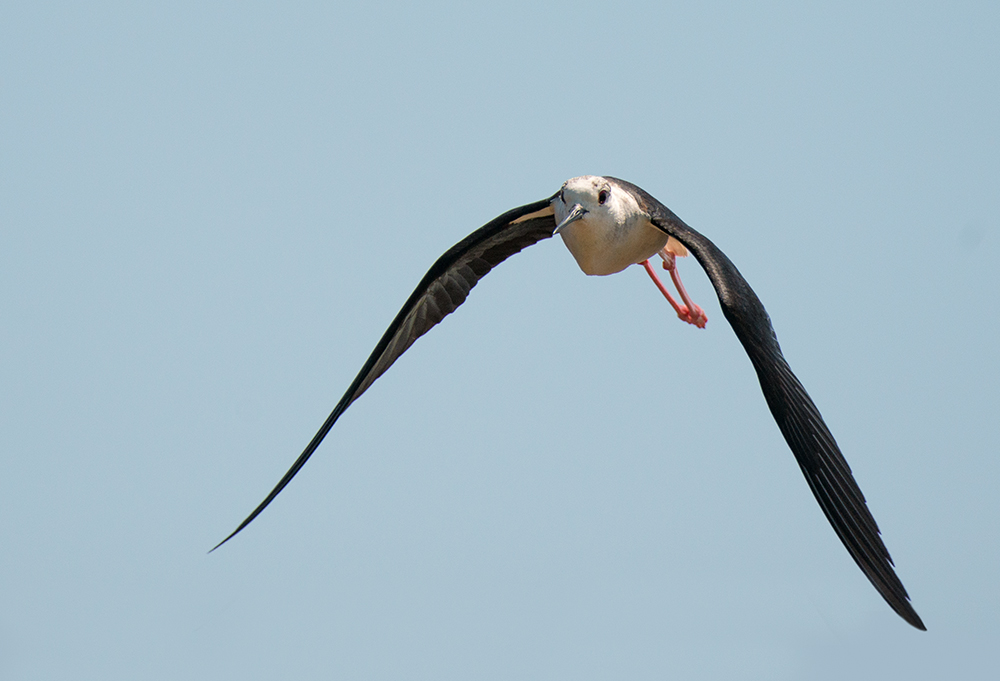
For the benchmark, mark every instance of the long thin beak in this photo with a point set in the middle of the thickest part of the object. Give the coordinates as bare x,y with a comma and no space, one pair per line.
574,215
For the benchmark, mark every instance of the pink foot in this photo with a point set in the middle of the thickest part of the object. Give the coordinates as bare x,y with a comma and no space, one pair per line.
698,317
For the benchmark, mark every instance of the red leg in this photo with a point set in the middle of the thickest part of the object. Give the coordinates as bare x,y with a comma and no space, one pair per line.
684,312
695,314
681,312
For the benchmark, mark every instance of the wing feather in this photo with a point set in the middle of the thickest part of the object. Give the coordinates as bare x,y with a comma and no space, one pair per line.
824,467
445,286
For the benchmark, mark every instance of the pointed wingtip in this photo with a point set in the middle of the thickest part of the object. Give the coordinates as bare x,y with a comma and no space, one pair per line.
256,512
912,618
231,535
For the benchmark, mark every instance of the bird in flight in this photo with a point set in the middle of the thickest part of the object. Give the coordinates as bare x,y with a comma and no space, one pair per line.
609,224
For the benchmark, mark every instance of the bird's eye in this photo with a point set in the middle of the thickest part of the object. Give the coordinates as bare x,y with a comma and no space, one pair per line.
602,196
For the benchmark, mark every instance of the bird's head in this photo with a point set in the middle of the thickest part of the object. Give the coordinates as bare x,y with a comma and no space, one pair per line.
592,199
581,198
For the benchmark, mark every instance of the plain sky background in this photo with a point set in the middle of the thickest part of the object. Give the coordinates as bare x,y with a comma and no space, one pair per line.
209,213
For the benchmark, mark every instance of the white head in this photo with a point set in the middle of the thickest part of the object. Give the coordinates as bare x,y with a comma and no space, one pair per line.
599,199
603,226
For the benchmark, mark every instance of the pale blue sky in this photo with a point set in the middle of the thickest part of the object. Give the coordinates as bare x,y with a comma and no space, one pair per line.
209,214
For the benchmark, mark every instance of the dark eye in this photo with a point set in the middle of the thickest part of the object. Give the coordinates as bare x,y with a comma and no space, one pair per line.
602,196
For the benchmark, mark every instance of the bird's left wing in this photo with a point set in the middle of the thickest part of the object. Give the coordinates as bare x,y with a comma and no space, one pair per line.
445,286
817,453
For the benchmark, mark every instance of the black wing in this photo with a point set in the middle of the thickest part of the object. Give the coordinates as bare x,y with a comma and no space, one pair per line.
445,286
800,422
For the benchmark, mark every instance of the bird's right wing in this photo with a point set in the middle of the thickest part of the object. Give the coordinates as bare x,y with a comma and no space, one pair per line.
817,453
445,286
